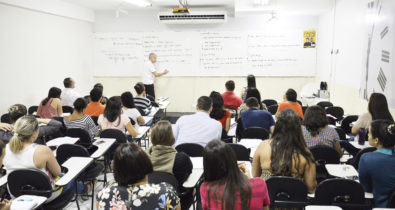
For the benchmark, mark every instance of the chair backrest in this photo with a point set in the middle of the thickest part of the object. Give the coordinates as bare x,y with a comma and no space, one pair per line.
67,109
325,155
341,133
158,177
345,193
269,102
335,111
272,108
66,151
32,109
85,138
391,201
29,182
360,153
95,118
191,149
286,192
233,111
324,104
242,152
255,133
5,118
115,134
345,124
300,102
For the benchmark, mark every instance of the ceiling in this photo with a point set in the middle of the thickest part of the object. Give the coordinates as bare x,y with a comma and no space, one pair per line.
293,7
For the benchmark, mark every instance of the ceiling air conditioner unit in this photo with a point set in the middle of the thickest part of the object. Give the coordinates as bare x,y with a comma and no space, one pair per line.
193,17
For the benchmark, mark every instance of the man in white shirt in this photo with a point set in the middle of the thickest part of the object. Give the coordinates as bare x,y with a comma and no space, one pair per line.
198,128
150,73
69,95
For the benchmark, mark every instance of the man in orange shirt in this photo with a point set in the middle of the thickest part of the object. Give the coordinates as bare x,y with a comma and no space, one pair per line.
290,102
95,108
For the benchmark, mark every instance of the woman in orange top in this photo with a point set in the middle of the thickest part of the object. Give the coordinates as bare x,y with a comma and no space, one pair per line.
290,102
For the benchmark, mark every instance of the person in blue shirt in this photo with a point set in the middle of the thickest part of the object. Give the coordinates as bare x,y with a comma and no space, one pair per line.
376,169
254,117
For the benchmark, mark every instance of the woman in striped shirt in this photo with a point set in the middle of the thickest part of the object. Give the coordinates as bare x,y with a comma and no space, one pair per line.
79,120
141,101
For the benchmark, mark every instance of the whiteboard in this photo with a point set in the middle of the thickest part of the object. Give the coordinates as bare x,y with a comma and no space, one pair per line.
205,53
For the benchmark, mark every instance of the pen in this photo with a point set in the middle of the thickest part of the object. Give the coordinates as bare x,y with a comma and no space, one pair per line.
2,198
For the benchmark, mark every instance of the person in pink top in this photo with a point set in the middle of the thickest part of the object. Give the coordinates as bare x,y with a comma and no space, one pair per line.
113,118
230,98
227,185
51,106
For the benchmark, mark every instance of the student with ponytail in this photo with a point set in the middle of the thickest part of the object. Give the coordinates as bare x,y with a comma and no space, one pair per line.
23,153
376,169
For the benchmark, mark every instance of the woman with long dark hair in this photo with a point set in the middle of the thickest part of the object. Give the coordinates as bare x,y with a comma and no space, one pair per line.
377,110
286,153
226,186
250,84
51,106
316,130
218,112
376,169
129,108
113,118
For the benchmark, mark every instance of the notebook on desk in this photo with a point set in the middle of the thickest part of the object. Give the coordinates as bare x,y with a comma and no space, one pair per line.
62,140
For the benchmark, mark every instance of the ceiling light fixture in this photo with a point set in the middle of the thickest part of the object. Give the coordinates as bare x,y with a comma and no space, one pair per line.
140,3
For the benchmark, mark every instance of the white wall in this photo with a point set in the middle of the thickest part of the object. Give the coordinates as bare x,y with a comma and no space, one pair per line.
38,50
185,90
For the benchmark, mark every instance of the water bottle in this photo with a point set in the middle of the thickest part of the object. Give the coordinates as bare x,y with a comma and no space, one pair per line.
362,135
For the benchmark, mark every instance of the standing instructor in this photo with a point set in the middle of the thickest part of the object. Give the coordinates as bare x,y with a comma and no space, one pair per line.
150,73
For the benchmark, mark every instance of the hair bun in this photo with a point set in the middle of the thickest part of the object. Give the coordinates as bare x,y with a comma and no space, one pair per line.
13,109
391,129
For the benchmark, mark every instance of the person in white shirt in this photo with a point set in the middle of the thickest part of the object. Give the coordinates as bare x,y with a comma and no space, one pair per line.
198,128
150,73
69,95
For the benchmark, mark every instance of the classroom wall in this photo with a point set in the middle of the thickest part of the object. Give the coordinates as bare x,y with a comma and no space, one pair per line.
185,90
38,50
341,39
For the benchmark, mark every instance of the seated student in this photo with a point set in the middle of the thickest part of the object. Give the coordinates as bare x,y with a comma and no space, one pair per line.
112,118
286,153
141,101
250,84
376,169
218,112
226,186
377,110
230,98
103,99
166,159
69,95
52,127
290,102
129,108
51,106
252,92
316,130
198,128
78,119
95,108
23,153
130,188
254,117
5,204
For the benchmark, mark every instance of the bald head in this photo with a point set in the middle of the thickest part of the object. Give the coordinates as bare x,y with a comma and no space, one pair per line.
152,57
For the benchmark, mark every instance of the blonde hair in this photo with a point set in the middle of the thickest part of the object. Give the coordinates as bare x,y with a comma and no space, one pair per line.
24,129
162,134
